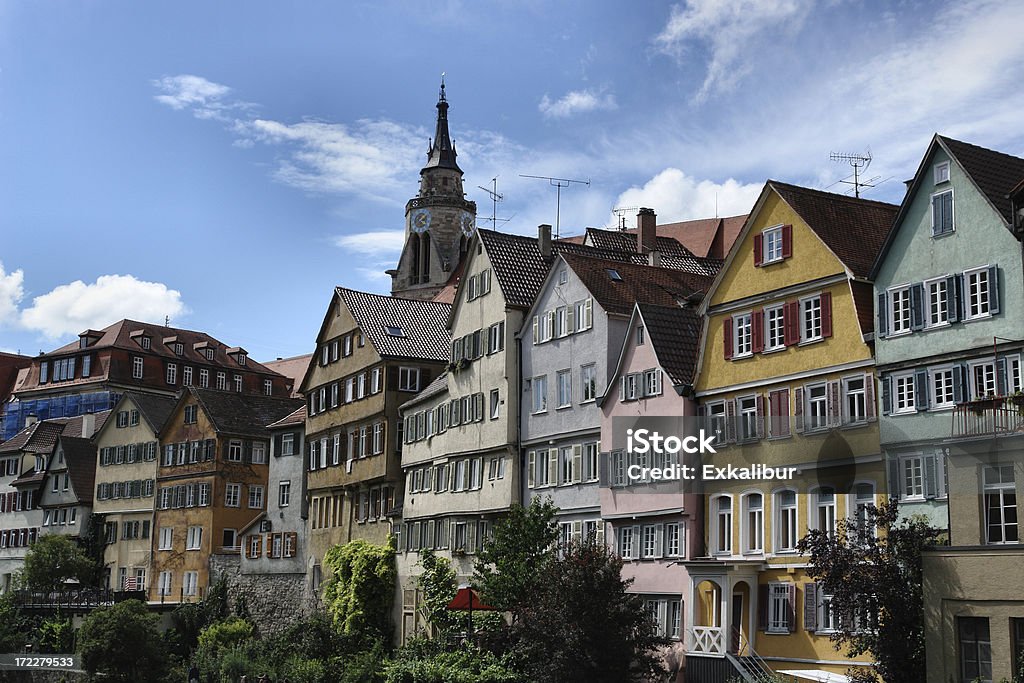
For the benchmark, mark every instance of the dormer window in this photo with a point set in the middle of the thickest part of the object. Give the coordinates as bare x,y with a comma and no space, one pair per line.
83,342
145,343
241,359
209,354
613,274
179,348
941,172
395,331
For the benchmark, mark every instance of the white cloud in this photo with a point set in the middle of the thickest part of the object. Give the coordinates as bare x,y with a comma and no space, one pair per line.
675,196
378,243
576,102
728,29
11,292
205,98
69,309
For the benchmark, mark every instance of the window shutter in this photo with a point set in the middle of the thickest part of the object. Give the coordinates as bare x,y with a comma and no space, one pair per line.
659,539
798,409
810,606
637,542
730,421
571,317
940,473
762,607
787,241
479,403
588,313
757,330
791,607
921,389
531,465
869,398
930,476
894,476
826,314
758,249
1001,379
552,466
727,337
993,290
882,325
959,383
917,306
759,411
887,395
577,463
953,298
791,323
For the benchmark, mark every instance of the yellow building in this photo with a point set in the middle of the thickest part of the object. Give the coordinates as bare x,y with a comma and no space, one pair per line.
785,380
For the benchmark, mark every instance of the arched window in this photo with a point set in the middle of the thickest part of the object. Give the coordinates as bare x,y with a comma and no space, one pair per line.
722,506
785,521
414,257
823,513
753,523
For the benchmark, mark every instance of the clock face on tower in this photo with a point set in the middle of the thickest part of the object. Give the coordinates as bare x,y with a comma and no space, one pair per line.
468,223
419,220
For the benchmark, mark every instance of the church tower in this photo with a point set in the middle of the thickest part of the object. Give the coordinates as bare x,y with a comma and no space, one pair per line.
438,221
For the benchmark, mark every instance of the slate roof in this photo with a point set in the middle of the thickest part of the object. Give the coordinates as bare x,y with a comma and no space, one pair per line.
423,322
244,414
80,458
674,331
662,286
437,386
297,417
854,229
155,409
995,173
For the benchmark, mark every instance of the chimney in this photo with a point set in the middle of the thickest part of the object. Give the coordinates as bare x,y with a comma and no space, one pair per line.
654,258
544,240
88,425
646,231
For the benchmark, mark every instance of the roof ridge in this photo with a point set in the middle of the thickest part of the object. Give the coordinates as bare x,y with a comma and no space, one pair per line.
389,297
830,195
988,150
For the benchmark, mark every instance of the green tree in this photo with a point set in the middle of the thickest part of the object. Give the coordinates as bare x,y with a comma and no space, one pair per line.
54,559
438,585
14,625
122,642
872,570
508,567
582,625
361,588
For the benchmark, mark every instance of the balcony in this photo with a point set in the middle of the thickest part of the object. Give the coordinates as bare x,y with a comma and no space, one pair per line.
707,640
989,417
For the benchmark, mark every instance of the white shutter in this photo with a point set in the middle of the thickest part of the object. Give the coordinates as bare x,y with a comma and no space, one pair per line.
531,465
588,314
536,329
577,463
552,466
635,550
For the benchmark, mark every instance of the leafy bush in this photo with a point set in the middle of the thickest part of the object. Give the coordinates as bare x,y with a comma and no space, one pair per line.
361,589
231,632
122,642
464,665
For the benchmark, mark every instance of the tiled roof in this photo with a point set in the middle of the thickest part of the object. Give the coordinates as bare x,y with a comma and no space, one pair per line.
80,458
423,324
854,229
156,409
674,332
995,173
864,301
36,438
293,368
243,414
296,418
671,250
438,386
662,286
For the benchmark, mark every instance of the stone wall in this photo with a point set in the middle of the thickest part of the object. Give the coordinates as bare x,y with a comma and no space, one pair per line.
272,601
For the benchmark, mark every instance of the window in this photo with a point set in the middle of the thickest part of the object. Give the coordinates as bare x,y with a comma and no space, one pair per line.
588,383
165,583
204,378
779,607
539,391
190,583
626,541
912,477
232,495
747,407
137,367
942,213
186,376
146,343
408,379
715,413
259,453
591,453
584,312
983,379
785,502
942,388
903,393
230,538
899,310
723,524
86,365
234,451
810,319
938,302
495,404
44,372
640,336
975,649
827,618
496,338
238,383
673,540
564,389
652,537
172,373
179,348
774,328
166,538
561,321
222,381
854,400
754,518
863,496
255,497
824,513
195,538
941,172
741,335
1000,504
268,387
772,245
191,414
979,299
817,406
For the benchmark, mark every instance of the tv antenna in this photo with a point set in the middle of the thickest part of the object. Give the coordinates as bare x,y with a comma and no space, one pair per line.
860,163
495,198
558,184
620,216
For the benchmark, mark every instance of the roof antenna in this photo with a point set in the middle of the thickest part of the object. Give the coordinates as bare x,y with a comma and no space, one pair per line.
495,198
860,163
558,184
620,216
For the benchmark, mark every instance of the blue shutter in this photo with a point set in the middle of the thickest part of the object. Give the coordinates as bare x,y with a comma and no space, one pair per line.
993,289
959,388
882,328
930,481
886,395
921,389
917,306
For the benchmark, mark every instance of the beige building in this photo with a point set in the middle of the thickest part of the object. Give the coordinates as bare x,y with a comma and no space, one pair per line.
127,450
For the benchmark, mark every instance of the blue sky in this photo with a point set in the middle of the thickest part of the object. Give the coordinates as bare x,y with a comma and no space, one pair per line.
226,164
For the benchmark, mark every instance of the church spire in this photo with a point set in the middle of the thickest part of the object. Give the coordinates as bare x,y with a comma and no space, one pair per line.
442,151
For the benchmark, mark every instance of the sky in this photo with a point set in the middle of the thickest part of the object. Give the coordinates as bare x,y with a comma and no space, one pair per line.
225,165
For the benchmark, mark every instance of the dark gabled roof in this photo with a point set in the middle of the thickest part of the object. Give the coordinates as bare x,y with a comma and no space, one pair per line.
995,173
662,286
853,229
40,437
438,386
670,248
864,301
298,417
80,458
155,409
243,414
422,322
674,332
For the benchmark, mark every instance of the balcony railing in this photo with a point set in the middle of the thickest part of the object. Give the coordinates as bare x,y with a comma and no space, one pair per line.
708,640
997,416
